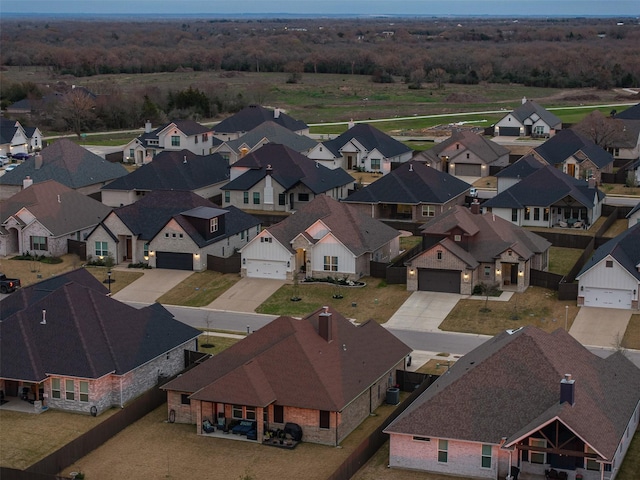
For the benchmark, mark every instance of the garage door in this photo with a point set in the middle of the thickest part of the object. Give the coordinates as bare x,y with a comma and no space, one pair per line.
174,261
432,280
266,269
468,170
509,131
606,297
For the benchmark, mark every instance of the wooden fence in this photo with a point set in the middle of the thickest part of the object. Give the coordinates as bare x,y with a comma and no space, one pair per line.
78,248
224,265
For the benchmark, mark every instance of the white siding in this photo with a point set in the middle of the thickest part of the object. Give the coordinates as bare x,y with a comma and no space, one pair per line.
615,277
330,246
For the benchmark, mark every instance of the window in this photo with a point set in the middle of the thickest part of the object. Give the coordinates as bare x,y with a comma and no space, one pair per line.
175,141
330,264
227,197
536,214
265,239
545,216
537,457
102,249
131,153
457,238
69,386
303,197
514,214
439,254
38,243
278,414
213,225
195,139
236,411
250,413
166,235
324,419
486,456
468,155
245,197
84,391
55,387
487,271
184,399
205,137
443,451
527,213
256,198
282,199
242,235
422,439
428,211
609,264
375,164
145,250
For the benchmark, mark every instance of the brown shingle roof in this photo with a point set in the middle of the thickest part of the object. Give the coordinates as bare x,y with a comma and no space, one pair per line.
288,362
510,385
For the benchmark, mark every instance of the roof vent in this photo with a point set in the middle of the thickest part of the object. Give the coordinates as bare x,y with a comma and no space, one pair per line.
185,159
411,167
44,318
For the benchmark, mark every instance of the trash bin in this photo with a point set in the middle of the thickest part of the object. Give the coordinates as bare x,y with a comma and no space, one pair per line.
515,471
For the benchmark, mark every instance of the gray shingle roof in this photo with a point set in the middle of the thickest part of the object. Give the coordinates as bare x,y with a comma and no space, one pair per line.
272,133
631,113
250,117
510,385
524,167
625,248
68,164
484,148
411,183
530,107
566,143
370,138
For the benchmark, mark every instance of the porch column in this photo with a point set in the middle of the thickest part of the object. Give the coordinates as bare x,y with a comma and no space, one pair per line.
260,423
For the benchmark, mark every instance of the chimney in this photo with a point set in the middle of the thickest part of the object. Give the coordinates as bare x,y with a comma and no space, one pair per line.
38,161
592,182
269,169
524,100
147,127
276,112
27,182
475,206
567,389
324,324
350,124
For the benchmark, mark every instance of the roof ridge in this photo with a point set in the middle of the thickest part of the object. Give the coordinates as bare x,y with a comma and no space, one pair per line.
104,332
28,343
74,318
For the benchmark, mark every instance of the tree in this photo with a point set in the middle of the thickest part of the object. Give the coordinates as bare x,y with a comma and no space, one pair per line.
437,76
76,109
603,131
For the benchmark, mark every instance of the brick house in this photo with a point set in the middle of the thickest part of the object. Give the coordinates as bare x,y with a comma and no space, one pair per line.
462,249
525,399
65,344
321,372
412,192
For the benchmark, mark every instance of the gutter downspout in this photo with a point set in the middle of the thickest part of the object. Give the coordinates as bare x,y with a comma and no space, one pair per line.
121,406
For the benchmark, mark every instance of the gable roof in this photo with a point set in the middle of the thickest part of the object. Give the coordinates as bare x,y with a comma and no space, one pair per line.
288,168
411,183
486,149
169,171
370,138
510,386
272,133
357,232
631,113
625,248
186,126
98,335
528,108
59,209
568,143
250,117
543,188
489,235
524,167
8,129
66,163
290,363
634,210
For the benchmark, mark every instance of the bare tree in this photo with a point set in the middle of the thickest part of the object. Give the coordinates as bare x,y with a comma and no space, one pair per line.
438,76
77,110
603,131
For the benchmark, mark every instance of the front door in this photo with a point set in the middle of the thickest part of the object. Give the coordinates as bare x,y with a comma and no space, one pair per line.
127,254
571,169
349,162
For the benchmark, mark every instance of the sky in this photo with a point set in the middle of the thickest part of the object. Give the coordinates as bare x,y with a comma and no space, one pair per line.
327,7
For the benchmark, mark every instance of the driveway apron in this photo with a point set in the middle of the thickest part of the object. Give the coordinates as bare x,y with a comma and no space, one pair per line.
603,327
246,295
423,311
151,286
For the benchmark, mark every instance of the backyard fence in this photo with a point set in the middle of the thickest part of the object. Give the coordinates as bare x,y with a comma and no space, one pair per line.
224,265
78,248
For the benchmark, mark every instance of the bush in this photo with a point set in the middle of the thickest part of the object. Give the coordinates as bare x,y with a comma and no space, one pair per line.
138,265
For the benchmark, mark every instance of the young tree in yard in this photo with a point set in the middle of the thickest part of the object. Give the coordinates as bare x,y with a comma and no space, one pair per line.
603,131
76,109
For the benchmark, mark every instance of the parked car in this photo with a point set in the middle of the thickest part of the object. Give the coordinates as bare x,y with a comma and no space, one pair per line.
3,160
21,156
473,192
8,285
8,168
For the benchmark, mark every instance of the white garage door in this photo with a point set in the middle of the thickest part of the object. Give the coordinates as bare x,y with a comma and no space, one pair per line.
266,269
606,297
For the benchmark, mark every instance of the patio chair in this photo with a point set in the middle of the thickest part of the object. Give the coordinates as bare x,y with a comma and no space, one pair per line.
563,224
578,224
221,423
207,426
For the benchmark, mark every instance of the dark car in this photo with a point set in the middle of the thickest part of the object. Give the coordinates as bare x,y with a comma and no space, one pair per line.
20,156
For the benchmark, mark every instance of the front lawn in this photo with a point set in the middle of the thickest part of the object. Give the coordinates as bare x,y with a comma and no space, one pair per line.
631,337
537,306
199,289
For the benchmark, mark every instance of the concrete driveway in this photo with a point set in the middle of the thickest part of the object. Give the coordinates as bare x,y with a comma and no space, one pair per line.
424,311
246,295
149,287
602,327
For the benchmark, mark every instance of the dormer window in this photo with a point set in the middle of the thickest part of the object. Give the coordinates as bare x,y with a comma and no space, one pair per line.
509,252
439,255
213,225
457,238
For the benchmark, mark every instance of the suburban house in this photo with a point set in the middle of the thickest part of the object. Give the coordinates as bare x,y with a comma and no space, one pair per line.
611,278
34,137
515,172
66,163
267,132
175,135
634,215
528,120
66,345
465,153
321,372
549,198
323,238
413,192
42,218
364,148
626,144
13,137
576,155
523,402
463,249
277,178
170,170
171,229
235,126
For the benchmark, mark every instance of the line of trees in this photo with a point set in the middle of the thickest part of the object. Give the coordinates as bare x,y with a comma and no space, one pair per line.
563,53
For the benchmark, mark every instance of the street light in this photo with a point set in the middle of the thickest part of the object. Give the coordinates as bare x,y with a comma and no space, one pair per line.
566,317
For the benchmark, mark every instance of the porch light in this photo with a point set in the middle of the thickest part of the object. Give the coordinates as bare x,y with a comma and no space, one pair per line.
521,273
466,275
498,271
196,255
152,253
146,257
411,272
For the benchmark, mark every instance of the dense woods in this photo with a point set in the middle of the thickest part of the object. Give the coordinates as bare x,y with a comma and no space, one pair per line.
560,53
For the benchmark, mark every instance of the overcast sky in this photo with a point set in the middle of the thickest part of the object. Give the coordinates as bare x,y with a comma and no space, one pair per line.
335,7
